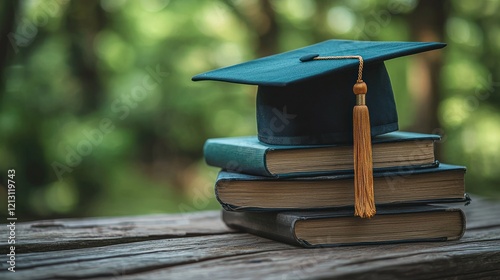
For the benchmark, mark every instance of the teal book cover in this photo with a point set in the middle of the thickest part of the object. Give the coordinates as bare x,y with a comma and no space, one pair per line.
250,156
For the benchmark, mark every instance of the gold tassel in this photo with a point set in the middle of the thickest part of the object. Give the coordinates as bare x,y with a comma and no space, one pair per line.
364,200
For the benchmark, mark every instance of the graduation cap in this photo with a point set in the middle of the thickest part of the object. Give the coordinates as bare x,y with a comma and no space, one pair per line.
305,97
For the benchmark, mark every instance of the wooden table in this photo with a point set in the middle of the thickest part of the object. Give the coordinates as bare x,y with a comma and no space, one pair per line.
200,246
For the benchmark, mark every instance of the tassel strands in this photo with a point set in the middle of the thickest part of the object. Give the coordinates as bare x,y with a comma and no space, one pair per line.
364,205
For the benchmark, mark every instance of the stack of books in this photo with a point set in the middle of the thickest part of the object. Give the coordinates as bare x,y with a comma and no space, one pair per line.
326,122
303,194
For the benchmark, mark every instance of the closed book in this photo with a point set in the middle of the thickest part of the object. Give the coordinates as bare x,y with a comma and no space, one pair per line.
340,227
248,155
236,191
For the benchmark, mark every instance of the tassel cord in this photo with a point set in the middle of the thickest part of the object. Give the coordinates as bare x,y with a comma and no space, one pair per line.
364,198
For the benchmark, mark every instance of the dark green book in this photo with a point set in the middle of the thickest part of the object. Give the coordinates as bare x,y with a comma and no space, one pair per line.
248,155
340,227
236,191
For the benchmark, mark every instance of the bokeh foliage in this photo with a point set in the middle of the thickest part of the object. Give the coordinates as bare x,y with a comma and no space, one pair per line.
91,130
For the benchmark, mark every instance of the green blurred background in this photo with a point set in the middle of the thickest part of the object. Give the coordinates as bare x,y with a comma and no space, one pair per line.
98,115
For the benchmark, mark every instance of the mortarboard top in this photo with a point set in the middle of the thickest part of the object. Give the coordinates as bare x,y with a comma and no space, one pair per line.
304,101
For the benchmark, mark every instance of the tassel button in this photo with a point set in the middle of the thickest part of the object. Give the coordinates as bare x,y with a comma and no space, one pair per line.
360,88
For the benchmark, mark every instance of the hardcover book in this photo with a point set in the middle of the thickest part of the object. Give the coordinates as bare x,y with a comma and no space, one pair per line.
336,228
248,155
236,191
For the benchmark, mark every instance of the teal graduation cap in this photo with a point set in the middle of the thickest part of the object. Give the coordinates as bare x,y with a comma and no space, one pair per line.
305,97
303,102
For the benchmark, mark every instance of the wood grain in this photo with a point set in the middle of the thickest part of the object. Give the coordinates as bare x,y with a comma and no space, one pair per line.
63,234
470,256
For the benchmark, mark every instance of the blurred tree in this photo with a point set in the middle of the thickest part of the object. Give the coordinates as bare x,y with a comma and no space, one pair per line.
83,21
260,18
427,24
7,14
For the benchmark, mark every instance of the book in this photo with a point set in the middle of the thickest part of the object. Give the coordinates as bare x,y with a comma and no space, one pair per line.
337,228
236,191
248,155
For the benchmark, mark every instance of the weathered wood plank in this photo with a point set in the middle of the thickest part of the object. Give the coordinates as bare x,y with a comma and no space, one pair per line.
136,257
159,259
51,235
465,260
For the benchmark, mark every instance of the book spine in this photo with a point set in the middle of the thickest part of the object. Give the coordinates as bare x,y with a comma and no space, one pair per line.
269,225
236,158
